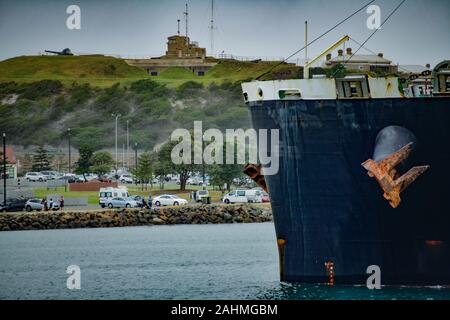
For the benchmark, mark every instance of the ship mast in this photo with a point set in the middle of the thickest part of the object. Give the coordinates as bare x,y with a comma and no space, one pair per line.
306,42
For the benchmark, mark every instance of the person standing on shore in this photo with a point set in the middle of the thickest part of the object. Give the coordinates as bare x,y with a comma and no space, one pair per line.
61,203
45,203
150,200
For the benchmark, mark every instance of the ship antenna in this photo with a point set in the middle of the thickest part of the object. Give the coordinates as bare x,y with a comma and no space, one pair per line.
310,43
212,27
186,14
342,66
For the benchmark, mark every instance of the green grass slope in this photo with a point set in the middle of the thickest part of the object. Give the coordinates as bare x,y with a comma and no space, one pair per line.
96,70
103,71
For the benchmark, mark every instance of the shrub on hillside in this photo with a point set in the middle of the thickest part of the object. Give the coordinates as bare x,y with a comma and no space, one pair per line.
188,89
80,93
149,87
41,89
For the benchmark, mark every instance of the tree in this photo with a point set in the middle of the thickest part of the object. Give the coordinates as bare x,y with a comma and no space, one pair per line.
101,163
161,170
83,164
144,170
221,174
41,161
183,170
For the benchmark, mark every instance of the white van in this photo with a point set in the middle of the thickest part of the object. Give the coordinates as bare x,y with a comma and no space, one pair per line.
106,194
243,196
254,195
235,196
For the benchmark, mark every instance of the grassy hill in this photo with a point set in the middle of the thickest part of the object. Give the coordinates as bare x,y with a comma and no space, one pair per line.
103,71
96,70
42,96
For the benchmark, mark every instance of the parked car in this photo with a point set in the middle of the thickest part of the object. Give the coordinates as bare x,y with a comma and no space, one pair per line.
13,205
138,199
81,178
35,176
71,178
103,178
169,200
201,194
35,204
119,202
126,178
91,177
49,175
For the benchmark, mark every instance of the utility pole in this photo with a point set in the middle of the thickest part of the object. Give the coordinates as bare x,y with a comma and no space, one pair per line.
70,160
117,116
4,169
135,156
186,15
128,145
178,32
123,155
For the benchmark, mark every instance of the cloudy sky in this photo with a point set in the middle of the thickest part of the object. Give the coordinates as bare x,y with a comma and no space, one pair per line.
418,33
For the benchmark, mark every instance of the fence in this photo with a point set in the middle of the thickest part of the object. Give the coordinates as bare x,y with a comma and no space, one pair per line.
91,186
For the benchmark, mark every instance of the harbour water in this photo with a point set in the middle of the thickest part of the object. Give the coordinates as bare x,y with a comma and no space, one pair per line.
237,261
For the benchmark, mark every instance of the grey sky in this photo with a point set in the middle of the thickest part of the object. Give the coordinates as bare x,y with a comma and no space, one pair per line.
418,33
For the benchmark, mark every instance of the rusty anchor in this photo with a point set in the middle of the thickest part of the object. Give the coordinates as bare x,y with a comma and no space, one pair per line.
385,173
254,172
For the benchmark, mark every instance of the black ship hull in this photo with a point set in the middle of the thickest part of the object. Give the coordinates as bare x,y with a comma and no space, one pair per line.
328,210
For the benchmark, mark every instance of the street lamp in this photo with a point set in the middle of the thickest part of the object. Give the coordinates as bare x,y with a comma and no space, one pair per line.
135,156
70,160
4,169
117,116
128,146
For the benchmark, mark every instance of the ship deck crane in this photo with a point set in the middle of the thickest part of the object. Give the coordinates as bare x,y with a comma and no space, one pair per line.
331,48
